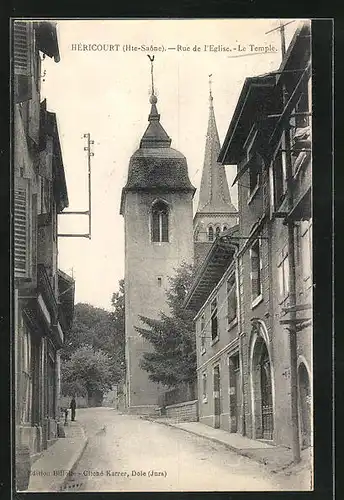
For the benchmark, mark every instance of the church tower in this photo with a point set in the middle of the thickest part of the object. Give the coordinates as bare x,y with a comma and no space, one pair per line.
157,208
215,212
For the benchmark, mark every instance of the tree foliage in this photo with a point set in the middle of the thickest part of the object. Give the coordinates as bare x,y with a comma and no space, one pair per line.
173,359
99,331
88,370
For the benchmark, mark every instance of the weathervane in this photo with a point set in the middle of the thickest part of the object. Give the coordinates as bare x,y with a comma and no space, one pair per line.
210,83
151,58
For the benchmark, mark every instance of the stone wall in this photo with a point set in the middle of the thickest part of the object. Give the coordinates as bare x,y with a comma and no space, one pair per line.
183,412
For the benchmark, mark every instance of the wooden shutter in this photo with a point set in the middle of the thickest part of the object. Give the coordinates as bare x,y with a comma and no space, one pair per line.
22,37
21,54
21,229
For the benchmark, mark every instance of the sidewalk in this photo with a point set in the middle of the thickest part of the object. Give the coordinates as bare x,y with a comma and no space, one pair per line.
276,458
50,471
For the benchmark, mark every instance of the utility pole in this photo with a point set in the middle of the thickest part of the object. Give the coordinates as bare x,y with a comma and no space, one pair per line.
281,29
90,153
292,287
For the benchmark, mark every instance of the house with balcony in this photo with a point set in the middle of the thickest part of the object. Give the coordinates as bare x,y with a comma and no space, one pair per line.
43,295
213,297
269,139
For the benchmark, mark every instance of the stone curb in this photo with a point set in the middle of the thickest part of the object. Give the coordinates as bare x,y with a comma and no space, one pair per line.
239,451
76,460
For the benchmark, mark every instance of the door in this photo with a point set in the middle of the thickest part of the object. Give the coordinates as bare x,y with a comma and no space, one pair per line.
234,392
304,406
266,392
217,404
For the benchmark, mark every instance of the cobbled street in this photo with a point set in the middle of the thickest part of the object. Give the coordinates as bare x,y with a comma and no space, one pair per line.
127,453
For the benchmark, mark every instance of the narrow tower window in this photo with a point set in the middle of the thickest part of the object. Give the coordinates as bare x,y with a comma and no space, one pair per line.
160,222
217,231
210,233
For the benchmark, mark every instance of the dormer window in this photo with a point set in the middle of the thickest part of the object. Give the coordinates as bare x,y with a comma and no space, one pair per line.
160,222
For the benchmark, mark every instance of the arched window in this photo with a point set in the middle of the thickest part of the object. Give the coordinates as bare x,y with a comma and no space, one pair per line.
217,231
224,228
160,221
210,233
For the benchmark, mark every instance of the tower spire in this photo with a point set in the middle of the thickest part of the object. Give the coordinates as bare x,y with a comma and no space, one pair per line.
214,196
155,136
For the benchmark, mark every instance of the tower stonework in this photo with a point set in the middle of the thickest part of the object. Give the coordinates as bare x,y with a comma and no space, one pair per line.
157,208
215,212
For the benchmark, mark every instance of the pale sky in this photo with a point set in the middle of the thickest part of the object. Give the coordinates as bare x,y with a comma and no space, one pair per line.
107,94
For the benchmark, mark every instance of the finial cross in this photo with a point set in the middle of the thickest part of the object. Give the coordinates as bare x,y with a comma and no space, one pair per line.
210,83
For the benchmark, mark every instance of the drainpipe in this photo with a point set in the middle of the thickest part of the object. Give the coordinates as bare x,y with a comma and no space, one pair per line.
292,300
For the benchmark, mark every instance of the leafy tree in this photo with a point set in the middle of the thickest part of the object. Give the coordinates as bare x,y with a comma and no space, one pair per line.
87,371
100,330
173,359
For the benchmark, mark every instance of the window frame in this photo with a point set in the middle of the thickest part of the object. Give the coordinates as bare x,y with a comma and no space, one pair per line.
204,387
202,335
306,242
231,320
283,275
256,299
212,234
162,210
214,320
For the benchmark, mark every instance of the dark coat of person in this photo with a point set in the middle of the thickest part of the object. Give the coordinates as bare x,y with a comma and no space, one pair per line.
73,407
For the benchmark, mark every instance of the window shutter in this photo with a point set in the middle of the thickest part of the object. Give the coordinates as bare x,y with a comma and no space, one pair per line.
21,54
21,230
22,36
265,183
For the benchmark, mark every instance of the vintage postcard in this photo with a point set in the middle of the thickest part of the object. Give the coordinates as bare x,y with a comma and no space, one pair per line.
163,255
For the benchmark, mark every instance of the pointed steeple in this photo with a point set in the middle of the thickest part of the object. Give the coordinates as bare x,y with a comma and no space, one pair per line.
155,136
214,196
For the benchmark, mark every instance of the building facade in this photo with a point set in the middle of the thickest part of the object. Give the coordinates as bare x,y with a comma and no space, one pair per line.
214,298
157,208
269,139
265,391
43,295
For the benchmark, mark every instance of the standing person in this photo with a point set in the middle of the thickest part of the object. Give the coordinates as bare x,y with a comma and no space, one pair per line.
73,407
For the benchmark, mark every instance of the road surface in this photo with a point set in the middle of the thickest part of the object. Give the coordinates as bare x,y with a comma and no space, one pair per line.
127,453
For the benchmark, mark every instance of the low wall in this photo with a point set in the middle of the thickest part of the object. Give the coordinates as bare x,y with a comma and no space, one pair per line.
183,412
81,402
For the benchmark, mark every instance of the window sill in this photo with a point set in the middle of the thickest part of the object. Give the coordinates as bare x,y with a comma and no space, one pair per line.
215,340
257,301
232,324
252,195
159,242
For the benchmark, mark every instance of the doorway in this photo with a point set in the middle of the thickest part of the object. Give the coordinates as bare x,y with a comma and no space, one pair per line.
234,392
266,393
304,406
217,401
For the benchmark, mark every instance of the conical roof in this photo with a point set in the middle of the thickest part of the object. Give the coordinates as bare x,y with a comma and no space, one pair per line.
214,196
